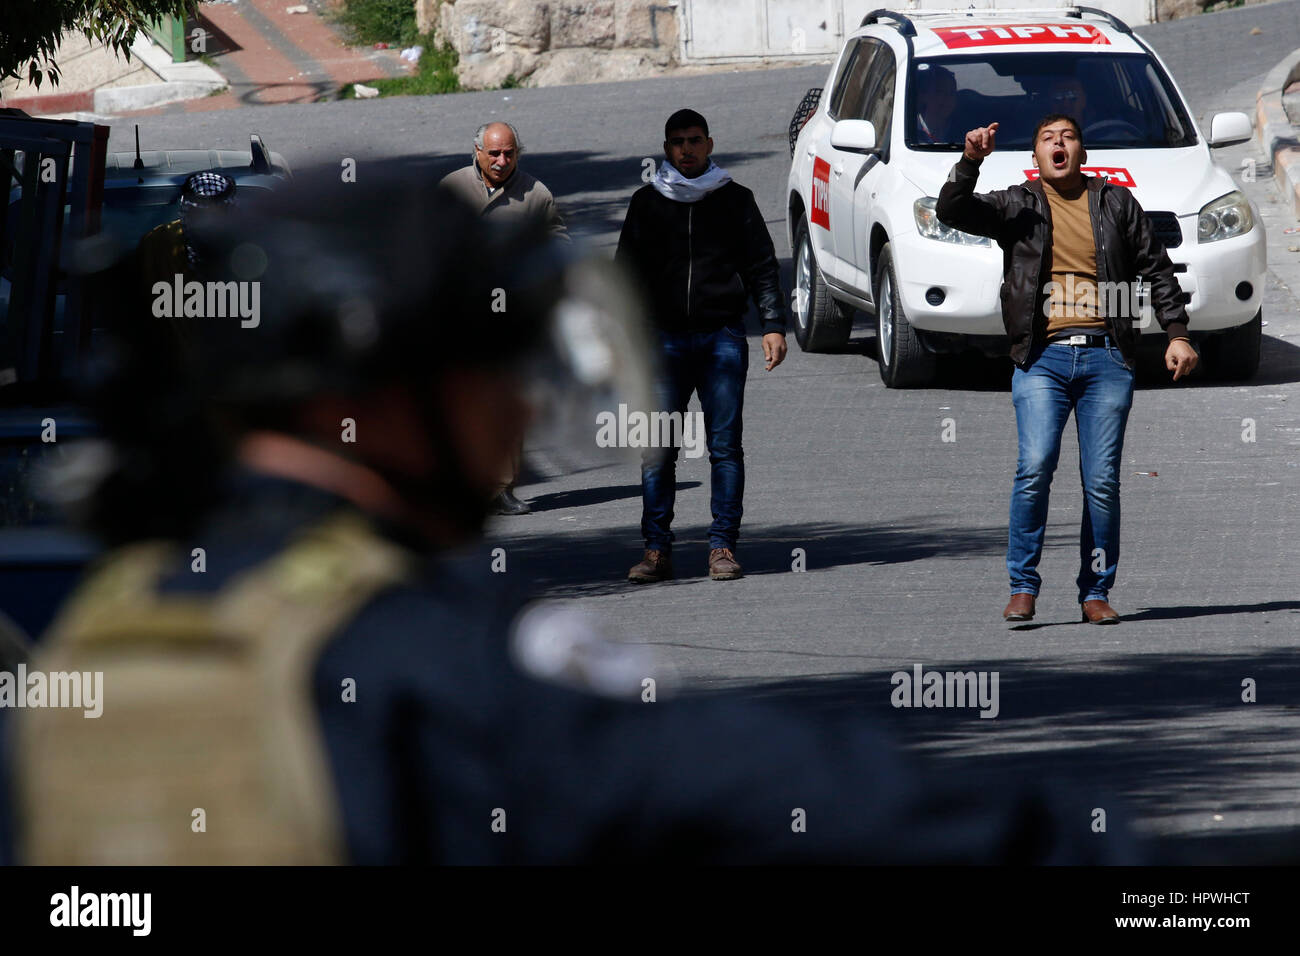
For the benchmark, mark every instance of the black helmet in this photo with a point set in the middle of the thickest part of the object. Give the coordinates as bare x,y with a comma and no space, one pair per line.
385,279
355,285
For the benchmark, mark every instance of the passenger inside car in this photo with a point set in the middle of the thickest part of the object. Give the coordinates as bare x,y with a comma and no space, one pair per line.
936,101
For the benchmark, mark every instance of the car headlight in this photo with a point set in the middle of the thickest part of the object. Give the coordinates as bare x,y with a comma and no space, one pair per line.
1224,218
928,225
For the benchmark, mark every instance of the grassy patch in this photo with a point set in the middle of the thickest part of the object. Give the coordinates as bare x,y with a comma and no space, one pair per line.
379,21
436,73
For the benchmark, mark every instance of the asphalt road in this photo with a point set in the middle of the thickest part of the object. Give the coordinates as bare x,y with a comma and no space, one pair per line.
904,534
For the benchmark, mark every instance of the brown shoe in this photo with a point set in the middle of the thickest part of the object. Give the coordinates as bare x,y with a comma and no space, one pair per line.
1021,608
723,565
655,566
1099,612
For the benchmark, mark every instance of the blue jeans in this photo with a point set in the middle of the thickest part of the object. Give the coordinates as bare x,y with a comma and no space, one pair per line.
714,364
1097,385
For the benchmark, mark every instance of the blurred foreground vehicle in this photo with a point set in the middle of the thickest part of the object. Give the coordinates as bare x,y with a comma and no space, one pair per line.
69,200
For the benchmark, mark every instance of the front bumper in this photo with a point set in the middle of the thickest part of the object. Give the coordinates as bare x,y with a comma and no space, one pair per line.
970,278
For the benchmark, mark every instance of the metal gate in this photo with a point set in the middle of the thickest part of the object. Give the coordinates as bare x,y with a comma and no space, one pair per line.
725,30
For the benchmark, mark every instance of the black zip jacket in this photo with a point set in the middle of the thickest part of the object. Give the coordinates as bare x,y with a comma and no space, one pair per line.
697,262
1019,220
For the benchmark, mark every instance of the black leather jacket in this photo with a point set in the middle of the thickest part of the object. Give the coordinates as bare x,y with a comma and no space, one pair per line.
698,261
1019,220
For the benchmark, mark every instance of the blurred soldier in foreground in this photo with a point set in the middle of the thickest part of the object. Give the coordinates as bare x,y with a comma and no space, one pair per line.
302,665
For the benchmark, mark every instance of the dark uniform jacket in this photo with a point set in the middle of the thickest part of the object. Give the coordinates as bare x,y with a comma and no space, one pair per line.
1019,220
447,735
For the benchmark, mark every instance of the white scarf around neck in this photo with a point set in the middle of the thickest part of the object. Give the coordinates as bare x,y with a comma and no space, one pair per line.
671,184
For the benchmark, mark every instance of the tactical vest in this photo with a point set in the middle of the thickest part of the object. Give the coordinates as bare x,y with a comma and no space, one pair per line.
207,706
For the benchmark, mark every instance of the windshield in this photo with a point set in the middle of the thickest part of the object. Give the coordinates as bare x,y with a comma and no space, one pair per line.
1122,101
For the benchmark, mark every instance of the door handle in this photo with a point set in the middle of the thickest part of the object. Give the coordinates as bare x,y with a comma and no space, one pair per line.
810,149
838,169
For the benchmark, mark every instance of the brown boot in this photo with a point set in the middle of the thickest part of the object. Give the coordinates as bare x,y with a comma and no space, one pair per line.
655,566
723,565
1099,612
1021,608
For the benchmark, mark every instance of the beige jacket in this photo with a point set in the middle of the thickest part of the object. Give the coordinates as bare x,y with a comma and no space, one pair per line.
521,198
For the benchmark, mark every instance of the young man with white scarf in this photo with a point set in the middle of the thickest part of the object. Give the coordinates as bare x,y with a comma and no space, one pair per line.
698,244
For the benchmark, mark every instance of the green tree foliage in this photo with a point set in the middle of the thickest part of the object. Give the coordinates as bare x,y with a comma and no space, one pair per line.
30,30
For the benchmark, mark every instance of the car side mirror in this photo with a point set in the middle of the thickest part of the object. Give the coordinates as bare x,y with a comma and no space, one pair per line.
1229,128
854,136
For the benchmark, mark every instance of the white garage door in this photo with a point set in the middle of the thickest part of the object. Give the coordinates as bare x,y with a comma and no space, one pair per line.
738,29
717,29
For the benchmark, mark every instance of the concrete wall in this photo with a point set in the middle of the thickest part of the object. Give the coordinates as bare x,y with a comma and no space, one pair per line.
574,41
85,66
737,30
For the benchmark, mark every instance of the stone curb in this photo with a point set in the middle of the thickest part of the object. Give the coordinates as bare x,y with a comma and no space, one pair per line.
1279,140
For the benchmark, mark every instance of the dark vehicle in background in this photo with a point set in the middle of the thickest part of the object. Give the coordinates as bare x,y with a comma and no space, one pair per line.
50,321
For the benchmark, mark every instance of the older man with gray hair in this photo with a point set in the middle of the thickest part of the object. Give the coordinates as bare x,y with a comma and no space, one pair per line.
494,185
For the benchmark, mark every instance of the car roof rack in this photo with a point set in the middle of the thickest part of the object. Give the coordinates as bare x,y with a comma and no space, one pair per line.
903,22
1114,21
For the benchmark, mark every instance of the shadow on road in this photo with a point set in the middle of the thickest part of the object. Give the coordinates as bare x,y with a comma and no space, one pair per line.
1279,364
591,189
1168,733
1181,613
593,561
593,496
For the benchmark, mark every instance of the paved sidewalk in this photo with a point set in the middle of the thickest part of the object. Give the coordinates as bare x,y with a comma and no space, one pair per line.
1277,126
270,56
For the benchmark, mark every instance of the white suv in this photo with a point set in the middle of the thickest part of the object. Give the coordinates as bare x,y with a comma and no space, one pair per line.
870,155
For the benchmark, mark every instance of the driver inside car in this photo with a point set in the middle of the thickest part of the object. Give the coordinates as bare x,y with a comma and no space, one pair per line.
1069,95
936,101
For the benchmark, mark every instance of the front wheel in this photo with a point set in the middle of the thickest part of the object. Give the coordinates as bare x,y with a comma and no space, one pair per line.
1234,355
904,360
820,323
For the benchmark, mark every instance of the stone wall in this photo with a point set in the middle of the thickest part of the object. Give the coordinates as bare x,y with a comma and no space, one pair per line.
552,43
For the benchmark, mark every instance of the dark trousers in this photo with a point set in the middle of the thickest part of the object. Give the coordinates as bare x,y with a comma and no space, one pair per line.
714,365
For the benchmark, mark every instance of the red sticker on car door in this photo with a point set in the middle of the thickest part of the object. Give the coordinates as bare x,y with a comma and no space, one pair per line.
821,193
